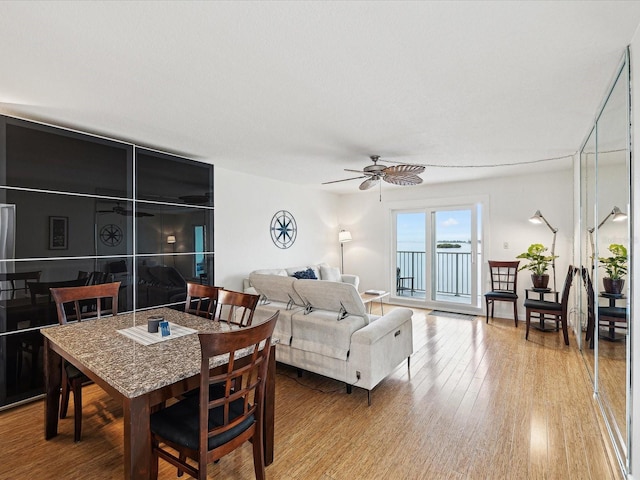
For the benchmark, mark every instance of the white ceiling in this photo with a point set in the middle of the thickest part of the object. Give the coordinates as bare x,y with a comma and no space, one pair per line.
298,91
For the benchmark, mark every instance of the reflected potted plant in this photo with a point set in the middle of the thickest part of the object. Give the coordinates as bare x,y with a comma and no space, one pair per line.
538,264
616,268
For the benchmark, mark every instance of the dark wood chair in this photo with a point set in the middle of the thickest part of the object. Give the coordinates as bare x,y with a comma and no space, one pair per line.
236,308
504,286
400,283
69,306
205,428
611,318
558,311
202,300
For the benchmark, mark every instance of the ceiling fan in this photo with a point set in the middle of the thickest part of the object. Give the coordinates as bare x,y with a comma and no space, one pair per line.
401,174
125,212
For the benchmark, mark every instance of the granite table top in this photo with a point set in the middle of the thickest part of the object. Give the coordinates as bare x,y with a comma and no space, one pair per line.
131,368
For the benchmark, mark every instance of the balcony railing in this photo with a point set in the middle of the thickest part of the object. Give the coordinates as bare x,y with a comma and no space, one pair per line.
453,272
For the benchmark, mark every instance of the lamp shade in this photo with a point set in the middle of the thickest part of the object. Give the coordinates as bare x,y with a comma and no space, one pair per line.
536,218
618,215
344,236
171,239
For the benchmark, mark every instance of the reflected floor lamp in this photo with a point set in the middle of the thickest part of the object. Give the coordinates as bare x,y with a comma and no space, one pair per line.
343,237
538,218
617,216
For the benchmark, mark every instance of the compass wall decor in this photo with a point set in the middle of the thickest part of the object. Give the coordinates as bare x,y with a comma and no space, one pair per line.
111,235
283,229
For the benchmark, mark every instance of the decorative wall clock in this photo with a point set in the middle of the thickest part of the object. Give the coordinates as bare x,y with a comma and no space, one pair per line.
111,235
283,229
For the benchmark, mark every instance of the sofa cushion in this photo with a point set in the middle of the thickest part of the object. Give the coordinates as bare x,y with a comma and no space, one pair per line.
282,332
332,274
320,332
272,271
291,270
332,296
276,288
308,274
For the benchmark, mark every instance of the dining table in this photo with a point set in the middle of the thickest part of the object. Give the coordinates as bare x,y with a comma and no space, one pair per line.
116,354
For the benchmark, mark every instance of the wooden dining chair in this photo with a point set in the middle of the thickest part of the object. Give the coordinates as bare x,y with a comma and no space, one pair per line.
236,308
504,286
558,311
70,306
202,300
205,428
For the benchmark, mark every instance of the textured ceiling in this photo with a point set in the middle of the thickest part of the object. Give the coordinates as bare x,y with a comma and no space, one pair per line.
298,91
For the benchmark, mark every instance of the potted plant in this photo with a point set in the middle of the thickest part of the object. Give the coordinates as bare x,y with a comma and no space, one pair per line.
538,264
616,268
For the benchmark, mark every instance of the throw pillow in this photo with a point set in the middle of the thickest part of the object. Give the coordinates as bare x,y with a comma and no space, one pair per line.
331,274
306,274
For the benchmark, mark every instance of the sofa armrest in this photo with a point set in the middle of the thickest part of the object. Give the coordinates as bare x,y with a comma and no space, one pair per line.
352,279
378,348
380,327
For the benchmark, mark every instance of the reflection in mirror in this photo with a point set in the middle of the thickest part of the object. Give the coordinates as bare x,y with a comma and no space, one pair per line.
605,186
587,249
612,238
162,279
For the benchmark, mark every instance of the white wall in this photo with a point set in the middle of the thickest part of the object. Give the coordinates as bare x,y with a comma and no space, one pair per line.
508,204
244,206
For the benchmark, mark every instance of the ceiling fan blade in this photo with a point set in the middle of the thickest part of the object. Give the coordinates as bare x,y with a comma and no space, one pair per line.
345,180
368,183
404,169
403,179
354,171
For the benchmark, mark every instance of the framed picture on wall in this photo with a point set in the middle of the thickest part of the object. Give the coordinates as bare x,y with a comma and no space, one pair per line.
58,233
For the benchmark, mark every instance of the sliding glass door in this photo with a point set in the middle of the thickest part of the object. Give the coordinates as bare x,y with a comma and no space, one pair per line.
437,256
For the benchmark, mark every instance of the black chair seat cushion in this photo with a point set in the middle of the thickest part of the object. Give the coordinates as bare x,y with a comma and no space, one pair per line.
542,305
501,295
73,372
617,312
180,423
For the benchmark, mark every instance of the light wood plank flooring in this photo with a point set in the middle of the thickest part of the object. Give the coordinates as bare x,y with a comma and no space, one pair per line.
479,402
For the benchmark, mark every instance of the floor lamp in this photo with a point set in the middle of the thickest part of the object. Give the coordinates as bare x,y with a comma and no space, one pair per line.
539,218
343,237
617,216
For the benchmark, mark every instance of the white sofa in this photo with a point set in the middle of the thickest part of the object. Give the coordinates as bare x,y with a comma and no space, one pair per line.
323,327
322,271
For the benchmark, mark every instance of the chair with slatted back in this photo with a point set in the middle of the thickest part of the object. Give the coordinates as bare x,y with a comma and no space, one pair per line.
504,286
558,311
69,306
236,308
202,300
204,428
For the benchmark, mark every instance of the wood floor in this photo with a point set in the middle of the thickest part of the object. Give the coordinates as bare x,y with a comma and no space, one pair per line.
480,402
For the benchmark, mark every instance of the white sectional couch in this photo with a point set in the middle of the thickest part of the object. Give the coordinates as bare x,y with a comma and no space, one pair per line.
322,271
324,328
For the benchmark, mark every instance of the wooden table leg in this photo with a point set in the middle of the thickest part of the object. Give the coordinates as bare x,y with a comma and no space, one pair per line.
137,438
52,381
269,408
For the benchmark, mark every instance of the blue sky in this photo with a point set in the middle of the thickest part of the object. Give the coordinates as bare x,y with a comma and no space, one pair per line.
450,225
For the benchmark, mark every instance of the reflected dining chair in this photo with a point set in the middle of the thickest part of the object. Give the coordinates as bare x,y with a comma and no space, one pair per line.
204,429
202,300
558,311
236,308
70,303
611,318
504,286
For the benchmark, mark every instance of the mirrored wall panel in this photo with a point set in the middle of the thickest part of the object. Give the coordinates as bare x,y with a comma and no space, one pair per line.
605,247
69,217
